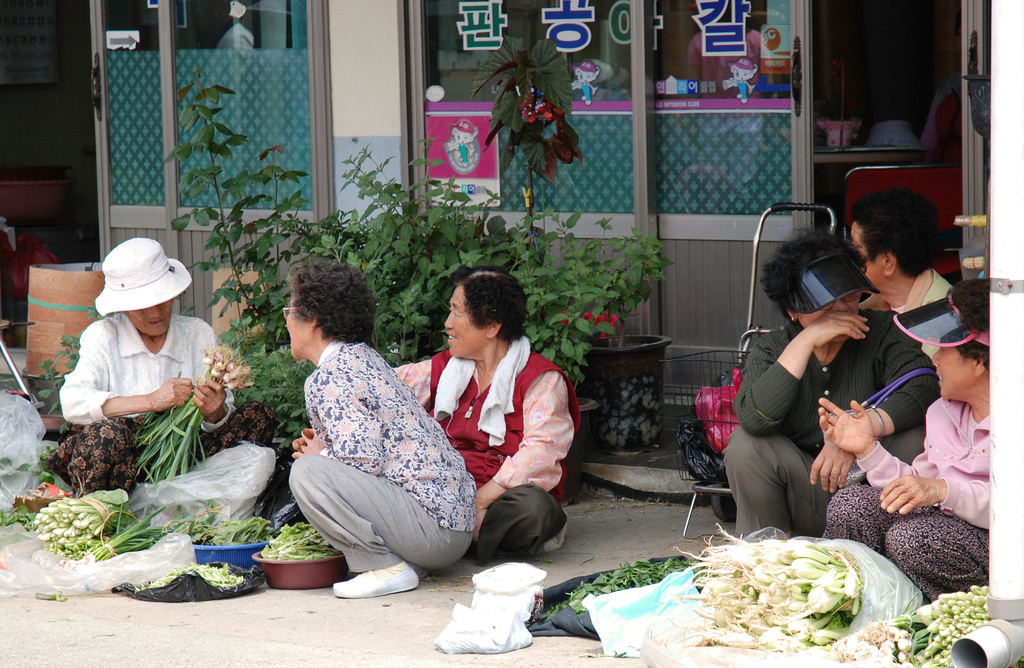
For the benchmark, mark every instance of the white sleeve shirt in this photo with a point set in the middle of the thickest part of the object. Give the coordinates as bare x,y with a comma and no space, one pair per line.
114,362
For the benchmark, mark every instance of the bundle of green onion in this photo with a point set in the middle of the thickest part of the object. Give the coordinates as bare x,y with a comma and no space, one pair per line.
72,527
170,439
135,538
300,541
776,595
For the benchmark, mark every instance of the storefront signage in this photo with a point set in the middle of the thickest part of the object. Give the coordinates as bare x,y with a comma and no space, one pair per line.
458,144
28,41
568,24
723,31
482,25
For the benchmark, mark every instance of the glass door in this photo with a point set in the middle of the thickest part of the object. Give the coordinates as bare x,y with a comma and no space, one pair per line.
146,50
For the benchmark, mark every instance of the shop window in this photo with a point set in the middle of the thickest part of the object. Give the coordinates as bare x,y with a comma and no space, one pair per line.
261,53
135,129
722,105
595,37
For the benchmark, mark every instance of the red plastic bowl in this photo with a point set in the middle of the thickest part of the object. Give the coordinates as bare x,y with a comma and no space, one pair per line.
303,574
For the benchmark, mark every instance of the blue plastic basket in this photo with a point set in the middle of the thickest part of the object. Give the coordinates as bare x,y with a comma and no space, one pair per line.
239,555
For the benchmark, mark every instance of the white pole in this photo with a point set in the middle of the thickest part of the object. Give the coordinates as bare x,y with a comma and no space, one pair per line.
1006,257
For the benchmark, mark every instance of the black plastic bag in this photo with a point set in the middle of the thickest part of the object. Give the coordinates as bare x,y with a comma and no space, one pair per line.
190,586
276,504
698,457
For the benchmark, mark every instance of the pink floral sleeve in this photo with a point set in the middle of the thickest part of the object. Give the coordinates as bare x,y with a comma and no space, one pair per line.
547,435
417,377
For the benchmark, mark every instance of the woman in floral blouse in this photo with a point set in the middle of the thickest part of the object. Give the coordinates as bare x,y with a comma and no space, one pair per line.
374,474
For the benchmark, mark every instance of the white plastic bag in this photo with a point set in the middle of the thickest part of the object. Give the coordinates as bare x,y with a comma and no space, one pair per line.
21,443
887,593
621,618
471,632
27,568
507,598
513,586
229,480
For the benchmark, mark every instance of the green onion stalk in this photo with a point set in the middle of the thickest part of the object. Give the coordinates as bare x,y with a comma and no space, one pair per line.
170,439
777,595
140,536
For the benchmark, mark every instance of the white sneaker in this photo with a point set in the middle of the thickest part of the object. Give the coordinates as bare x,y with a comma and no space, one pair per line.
383,581
554,544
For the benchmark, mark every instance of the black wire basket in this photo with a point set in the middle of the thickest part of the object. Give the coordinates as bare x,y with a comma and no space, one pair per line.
688,378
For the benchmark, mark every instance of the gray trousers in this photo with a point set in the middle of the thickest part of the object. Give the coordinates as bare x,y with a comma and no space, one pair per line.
373,521
770,480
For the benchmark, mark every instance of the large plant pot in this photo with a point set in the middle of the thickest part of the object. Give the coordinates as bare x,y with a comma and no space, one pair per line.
627,384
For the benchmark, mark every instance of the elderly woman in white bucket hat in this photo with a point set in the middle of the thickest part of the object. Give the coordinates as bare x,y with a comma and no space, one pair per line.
140,359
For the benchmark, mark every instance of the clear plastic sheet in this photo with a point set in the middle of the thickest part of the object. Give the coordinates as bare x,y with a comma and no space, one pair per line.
671,642
229,480
21,433
27,568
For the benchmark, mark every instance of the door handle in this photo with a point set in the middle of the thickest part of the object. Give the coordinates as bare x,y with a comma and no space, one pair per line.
96,88
796,78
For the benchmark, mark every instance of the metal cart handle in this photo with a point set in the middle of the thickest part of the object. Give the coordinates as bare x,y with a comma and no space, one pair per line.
776,208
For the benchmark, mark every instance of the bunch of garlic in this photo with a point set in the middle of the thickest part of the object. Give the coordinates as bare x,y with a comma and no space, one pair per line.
225,369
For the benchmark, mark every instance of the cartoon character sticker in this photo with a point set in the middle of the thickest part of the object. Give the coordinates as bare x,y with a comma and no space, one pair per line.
462,150
743,73
586,73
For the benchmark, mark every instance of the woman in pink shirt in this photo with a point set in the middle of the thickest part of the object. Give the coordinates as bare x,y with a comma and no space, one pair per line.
508,411
930,518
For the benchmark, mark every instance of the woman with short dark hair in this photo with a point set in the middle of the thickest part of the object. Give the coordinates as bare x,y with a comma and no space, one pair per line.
776,455
386,488
930,517
894,232
509,412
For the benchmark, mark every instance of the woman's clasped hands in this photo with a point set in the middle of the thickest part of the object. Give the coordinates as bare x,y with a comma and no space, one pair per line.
307,444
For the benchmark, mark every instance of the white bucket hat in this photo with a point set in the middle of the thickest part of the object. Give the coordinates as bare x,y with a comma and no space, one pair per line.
137,274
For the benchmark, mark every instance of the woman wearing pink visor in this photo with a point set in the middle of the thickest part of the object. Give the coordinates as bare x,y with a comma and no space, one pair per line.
931,517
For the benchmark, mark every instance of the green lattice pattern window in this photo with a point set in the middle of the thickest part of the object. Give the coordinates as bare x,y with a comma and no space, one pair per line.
136,133
271,106
604,185
722,163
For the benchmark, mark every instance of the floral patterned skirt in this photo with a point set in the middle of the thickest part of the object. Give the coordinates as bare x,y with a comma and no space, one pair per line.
103,455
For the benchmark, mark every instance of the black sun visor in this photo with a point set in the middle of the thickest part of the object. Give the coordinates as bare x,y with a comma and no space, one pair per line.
936,324
826,280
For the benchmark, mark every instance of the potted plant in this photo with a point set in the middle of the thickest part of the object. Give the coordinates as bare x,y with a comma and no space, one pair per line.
534,101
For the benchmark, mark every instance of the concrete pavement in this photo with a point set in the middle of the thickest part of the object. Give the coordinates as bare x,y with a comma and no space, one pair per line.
283,628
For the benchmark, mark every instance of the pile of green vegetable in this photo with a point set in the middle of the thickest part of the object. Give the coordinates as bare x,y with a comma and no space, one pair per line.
298,542
784,596
237,532
73,527
19,515
949,618
217,576
636,574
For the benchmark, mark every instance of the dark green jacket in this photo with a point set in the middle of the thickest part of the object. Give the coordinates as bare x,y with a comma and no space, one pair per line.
771,400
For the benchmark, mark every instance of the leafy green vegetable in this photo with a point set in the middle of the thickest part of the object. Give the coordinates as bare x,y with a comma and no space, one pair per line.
298,542
217,576
19,515
238,532
636,574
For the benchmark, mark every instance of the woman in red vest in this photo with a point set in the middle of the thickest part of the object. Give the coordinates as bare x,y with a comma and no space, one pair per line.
509,412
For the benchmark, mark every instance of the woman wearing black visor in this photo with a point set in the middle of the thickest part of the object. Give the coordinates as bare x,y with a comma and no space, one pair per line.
781,470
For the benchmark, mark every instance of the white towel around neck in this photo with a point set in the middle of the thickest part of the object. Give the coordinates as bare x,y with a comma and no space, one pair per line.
456,376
